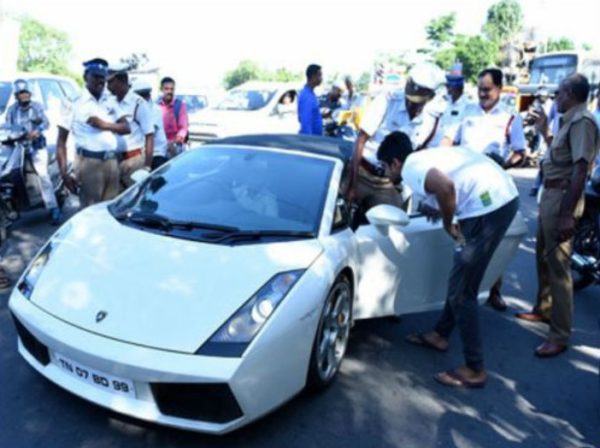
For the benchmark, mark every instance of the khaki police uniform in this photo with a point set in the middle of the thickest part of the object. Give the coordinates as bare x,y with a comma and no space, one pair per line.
577,139
96,167
387,114
131,154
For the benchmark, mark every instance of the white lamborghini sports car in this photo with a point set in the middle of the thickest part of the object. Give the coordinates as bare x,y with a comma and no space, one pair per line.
225,282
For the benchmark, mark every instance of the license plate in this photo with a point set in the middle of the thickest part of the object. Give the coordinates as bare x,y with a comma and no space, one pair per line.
101,380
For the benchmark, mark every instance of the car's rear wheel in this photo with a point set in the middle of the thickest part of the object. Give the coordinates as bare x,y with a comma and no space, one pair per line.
332,336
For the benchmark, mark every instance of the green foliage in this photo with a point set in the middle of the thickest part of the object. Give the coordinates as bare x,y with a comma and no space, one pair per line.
248,70
504,21
43,48
363,82
587,47
441,30
283,75
560,44
475,53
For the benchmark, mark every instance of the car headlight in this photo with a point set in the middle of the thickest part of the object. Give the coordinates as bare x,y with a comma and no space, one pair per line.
236,334
34,271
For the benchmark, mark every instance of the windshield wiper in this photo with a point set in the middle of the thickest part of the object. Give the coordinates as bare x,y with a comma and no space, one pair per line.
159,221
145,219
259,234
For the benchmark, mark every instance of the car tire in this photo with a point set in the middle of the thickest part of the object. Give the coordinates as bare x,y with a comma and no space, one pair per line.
331,338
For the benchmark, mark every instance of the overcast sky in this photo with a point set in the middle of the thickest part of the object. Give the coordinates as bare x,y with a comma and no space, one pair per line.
198,40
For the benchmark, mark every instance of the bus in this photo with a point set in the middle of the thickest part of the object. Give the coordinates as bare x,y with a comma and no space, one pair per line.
549,69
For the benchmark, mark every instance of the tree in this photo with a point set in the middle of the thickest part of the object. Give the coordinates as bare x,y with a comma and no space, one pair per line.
440,31
283,75
363,82
246,70
560,44
475,53
135,61
587,46
504,21
43,48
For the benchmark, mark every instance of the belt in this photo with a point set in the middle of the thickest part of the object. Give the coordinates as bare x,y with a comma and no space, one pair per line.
99,155
556,184
129,154
372,169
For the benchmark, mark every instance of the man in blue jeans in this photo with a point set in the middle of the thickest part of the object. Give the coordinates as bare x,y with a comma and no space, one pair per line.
309,114
476,201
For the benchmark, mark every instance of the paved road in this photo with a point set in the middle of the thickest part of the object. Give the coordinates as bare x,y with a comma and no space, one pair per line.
384,396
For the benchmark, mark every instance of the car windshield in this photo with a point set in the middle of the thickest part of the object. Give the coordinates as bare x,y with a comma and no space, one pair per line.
552,69
246,99
223,190
194,102
5,91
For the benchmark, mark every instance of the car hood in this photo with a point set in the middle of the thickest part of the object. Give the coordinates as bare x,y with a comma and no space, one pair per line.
156,291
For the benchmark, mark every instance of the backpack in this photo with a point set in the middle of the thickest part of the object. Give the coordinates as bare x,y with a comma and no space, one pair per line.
177,111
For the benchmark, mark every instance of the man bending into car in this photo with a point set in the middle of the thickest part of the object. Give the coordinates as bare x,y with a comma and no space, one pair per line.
476,201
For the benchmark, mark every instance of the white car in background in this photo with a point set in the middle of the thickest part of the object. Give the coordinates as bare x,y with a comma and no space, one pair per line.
252,108
226,281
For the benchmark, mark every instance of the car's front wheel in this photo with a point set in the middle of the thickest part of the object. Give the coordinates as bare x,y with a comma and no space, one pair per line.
331,340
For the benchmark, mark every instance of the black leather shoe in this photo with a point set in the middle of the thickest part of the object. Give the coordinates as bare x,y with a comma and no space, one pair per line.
497,302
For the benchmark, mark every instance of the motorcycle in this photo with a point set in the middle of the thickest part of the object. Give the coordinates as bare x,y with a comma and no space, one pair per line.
339,126
19,187
585,260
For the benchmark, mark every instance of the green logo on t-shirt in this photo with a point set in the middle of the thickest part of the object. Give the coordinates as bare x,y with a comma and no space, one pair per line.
486,199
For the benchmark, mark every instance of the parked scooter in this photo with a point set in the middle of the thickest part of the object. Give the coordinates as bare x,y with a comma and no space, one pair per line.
339,126
19,186
585,261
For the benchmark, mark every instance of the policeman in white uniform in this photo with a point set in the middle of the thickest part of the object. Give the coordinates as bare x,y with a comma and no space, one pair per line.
96,122
490,128
159,156
399,111
137,149
455,106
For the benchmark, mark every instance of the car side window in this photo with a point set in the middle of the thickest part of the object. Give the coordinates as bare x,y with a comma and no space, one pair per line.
70,91
286,103
52,94
36,91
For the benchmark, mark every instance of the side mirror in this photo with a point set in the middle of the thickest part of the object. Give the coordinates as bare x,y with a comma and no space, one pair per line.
384,216
139,176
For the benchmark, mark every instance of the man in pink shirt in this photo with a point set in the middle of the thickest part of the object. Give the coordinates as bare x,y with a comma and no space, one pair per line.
175,118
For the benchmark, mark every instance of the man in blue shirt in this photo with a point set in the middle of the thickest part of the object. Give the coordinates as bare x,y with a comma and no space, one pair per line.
309,114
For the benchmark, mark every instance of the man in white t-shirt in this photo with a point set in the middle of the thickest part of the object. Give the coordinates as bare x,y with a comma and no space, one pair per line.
477,201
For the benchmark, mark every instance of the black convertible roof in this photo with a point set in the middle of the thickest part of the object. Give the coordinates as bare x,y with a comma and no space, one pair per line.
325,146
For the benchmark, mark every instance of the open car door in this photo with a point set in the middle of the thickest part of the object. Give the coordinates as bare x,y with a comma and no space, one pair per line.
405,268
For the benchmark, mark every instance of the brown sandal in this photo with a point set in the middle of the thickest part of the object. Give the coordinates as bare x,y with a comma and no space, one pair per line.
452,378
420,340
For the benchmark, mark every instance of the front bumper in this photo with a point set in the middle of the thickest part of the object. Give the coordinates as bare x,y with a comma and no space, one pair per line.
198,393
